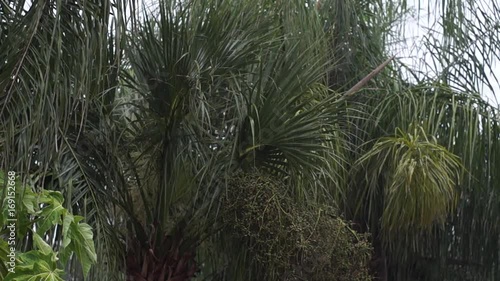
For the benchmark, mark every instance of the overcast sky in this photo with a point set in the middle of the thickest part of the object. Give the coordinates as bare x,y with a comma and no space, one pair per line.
413,52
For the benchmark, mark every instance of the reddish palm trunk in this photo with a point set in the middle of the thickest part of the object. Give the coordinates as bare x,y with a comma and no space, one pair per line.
168,263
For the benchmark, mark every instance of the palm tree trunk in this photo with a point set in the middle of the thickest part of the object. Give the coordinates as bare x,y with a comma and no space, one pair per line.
379,260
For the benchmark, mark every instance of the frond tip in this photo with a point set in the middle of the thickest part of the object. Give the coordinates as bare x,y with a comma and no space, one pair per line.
418,177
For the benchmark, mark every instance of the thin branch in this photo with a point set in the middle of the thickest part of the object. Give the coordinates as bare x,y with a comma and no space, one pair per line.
365,80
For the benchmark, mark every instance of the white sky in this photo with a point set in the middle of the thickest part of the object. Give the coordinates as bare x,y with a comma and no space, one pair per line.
413,53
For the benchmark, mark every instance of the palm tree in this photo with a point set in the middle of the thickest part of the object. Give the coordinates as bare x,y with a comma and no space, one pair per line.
448,109
58,75
218,79
158,127
451,114
208,89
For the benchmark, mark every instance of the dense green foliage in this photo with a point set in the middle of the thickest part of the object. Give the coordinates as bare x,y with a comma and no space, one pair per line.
40,214
151,123
296,242
418,180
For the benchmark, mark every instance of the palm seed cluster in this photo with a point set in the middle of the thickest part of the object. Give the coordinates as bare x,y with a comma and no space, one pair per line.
294,240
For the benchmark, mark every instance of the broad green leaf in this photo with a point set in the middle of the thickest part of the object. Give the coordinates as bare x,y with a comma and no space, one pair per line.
41,244
30,201
68,220
52,212
4,251
36,266
78,239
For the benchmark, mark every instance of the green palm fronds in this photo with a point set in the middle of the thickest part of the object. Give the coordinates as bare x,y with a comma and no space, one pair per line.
139,116
419,179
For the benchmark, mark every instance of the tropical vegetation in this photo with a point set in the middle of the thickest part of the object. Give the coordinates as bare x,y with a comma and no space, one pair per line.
39,215
249,140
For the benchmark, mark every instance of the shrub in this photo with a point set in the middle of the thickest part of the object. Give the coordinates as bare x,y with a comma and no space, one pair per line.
290,240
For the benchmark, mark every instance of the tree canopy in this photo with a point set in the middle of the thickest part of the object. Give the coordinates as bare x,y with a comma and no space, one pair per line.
257,140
